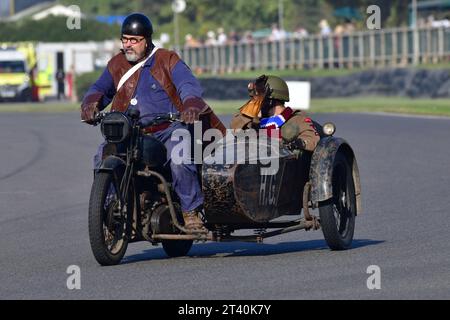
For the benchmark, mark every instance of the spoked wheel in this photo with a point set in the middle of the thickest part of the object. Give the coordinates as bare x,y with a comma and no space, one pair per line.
337,215
108,222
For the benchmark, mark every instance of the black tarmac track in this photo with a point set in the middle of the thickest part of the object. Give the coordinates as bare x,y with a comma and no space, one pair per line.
45,181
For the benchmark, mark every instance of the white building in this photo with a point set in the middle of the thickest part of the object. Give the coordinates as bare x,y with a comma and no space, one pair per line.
59,10
74,58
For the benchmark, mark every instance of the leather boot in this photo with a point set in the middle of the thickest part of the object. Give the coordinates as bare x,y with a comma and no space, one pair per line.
193,222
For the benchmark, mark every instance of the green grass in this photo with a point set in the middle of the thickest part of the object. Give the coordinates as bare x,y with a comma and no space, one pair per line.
226,107
436,107
39,107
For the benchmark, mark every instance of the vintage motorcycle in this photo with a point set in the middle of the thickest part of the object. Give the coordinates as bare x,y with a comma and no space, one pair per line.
132,198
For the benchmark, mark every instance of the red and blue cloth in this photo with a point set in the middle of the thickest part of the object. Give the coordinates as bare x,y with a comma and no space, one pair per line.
276,122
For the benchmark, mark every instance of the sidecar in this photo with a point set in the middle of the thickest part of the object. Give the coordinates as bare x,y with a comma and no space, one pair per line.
240,196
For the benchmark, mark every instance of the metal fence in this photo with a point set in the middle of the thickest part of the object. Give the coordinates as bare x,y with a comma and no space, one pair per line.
389,47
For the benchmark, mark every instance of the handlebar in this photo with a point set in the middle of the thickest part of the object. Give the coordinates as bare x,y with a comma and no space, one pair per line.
163,117
98,118
159,118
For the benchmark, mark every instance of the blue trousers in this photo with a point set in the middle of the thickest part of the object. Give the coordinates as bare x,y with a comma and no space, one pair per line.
184,176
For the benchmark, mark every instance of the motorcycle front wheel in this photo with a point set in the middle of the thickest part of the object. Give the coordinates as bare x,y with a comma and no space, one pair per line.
108,223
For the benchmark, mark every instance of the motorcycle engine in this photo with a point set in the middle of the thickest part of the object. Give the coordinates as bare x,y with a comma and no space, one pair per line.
161,221
158,220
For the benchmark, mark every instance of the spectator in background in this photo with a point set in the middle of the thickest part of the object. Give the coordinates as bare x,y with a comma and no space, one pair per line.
70,83
444,23
447,22
277,33
325,29
301,33
60,79
349,26
337,42
71,78
247,37
34,72
211,38
421,23
222,38
430,21
339,30
233,37
191,42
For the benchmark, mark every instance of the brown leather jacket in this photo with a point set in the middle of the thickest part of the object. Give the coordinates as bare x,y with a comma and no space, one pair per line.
308,132
161,71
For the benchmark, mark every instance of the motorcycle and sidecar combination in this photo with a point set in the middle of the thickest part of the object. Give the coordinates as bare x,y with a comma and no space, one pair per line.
132,198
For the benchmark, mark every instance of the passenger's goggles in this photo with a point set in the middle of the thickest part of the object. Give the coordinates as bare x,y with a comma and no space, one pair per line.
259,87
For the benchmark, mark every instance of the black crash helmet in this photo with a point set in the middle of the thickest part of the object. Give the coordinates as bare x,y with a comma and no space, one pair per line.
137,24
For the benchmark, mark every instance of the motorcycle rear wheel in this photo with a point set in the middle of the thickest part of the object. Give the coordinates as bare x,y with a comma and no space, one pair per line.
337,215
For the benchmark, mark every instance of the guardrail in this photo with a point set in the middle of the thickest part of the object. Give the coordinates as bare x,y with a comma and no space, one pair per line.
385,48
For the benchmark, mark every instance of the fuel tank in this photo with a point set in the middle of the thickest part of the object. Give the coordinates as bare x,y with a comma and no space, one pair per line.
153,151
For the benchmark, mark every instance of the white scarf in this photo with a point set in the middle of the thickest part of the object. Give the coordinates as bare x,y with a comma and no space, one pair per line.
135,68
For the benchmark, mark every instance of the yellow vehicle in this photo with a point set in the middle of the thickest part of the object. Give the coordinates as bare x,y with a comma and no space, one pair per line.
23,75
15,81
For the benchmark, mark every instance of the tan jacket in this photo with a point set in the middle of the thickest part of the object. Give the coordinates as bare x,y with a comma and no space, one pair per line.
308,132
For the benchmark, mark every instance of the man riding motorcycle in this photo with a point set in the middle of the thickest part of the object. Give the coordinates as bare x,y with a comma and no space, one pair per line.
266,110
154,81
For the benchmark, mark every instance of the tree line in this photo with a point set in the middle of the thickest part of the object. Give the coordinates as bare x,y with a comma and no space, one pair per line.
201,16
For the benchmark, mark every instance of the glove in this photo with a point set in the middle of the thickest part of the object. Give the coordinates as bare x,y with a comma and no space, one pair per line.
256,122
190,115
88,112
193,108
89,108
298,144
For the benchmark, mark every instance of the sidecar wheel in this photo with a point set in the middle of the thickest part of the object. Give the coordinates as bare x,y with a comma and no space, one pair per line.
337,215
108,234
177,248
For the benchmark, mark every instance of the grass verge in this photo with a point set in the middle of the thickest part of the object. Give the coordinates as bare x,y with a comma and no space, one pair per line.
434,107
39,107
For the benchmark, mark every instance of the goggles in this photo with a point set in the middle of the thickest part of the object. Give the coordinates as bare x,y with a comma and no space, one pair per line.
259,87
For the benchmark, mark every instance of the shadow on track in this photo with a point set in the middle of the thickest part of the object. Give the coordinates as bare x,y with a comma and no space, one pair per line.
242,249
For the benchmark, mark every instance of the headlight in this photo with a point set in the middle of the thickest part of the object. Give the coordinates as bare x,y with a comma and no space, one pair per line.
329,129
116,127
